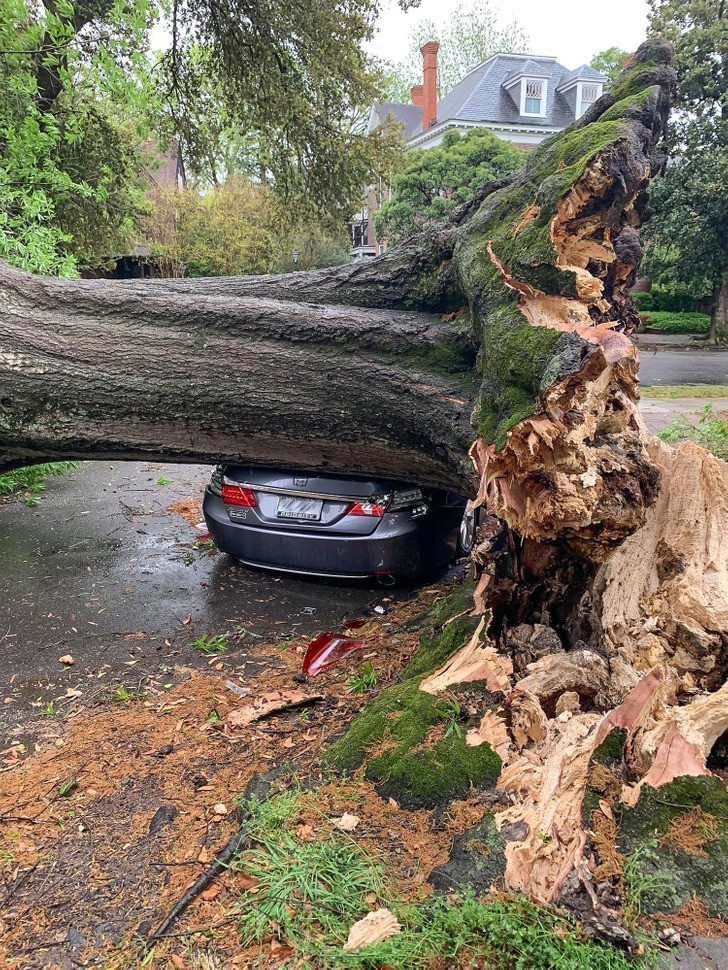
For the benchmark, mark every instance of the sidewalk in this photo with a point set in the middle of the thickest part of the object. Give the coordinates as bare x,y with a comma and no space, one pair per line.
659,412
673,341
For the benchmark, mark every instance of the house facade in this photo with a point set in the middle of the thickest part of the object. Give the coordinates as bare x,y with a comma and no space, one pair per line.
522,98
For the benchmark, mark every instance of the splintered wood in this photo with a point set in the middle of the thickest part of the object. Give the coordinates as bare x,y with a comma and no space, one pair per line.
649,526
472,662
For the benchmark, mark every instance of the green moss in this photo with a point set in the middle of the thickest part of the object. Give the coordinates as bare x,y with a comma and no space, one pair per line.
518,360
391,733
439,644
611,749
665,876
630,106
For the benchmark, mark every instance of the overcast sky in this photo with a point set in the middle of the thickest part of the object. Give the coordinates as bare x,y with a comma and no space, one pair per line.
570,30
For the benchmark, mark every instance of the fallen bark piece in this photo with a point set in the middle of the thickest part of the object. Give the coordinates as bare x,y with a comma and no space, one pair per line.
376,926
347,822
675,758
633,710
472,662
280,700
492,730
236,689
701,723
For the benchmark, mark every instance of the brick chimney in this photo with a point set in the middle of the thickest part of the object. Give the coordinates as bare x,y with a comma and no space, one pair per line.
418,95
429,71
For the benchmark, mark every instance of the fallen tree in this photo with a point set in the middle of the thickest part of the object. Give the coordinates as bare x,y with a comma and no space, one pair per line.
602,555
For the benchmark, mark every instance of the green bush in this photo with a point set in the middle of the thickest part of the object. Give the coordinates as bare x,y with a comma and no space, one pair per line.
710,431
668,322
670,302
644,301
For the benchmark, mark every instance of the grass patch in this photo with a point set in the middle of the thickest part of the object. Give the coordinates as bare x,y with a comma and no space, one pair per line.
29,482
709,430
364,681
667,321
308,894
674,391
207,644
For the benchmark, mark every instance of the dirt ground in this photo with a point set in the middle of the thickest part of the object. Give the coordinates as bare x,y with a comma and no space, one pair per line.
121,805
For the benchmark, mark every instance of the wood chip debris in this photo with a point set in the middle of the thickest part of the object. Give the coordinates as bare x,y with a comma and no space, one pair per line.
347,822
376,926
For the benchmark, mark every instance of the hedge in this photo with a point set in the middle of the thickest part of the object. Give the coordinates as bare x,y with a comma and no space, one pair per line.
677,322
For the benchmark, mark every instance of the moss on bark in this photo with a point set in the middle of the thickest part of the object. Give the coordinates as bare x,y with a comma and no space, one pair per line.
393,736
663,874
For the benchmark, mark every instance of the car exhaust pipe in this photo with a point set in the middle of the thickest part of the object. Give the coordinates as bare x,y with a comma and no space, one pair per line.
386,579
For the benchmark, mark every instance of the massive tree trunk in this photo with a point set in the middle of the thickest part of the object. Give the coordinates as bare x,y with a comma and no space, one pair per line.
503,333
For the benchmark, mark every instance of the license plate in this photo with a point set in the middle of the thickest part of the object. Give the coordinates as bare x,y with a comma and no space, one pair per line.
291,507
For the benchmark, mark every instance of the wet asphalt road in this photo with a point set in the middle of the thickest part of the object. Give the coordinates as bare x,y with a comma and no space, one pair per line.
102,571
683,367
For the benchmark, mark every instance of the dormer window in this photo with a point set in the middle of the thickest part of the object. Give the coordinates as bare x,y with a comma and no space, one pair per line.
581,88
534,95
586,95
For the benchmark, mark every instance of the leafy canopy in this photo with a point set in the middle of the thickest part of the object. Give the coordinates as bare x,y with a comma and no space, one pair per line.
295,79
610,62
236,230
75,104
689,232
278,91
436,180
473,33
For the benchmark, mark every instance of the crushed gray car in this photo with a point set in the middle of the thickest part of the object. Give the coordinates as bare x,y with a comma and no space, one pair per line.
325,525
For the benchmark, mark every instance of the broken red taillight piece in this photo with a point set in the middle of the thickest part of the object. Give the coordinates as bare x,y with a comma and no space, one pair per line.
237,495
326,650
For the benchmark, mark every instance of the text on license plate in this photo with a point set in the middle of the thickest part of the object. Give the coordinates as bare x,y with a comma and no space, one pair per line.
291,507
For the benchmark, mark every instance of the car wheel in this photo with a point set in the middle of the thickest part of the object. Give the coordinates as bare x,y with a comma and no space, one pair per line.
466,534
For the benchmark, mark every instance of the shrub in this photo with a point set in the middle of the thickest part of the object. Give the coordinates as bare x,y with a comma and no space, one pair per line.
644,301
668,322
670,302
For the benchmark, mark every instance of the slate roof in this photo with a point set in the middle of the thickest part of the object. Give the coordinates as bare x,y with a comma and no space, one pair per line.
529,67
410,115
584,73
480,96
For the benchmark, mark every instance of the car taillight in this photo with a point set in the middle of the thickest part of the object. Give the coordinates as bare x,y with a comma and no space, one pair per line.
406,499
237,495
366,508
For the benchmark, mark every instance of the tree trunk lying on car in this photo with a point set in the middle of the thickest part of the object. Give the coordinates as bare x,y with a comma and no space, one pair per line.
505,333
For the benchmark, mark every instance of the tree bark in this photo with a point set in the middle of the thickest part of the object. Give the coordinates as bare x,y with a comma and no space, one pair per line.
98,369
719,317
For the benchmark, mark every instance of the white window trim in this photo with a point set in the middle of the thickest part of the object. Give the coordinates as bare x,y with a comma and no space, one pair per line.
581,107
544,97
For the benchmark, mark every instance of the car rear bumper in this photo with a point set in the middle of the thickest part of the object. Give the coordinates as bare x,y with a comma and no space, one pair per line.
399,546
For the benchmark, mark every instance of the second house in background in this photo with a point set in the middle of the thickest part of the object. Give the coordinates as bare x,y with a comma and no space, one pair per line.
522,98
